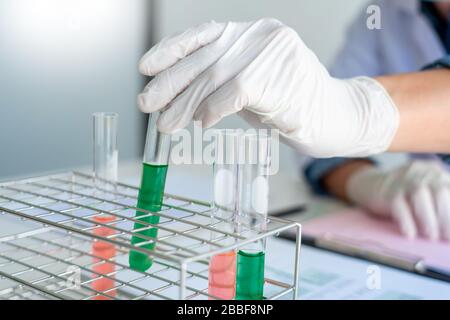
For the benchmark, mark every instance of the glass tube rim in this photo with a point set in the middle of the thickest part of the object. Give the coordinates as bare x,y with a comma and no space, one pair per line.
258,135
105,114
228,132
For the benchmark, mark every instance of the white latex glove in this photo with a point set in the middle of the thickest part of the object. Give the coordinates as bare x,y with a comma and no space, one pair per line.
416,196
265,71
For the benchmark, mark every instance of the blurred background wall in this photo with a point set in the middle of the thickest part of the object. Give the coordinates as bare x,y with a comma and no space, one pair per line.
320,23
61,60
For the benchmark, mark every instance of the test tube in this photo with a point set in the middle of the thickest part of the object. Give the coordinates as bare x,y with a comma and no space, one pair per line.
105,150
253,190
105,163
222,267
151,192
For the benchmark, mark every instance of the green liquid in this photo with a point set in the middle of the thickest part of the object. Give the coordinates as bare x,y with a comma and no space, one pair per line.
250,275
150,198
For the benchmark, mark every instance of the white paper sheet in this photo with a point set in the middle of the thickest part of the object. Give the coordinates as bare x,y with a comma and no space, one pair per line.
327,275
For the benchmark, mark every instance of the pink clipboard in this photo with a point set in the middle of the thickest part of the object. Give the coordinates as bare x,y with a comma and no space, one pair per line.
379,235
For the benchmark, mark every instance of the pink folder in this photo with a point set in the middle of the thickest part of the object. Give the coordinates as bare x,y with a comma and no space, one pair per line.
380,235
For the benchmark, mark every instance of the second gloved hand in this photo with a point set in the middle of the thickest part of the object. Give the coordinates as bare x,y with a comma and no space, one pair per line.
263,71
416,196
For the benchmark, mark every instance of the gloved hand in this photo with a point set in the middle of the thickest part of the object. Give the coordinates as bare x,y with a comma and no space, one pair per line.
263,70
416,196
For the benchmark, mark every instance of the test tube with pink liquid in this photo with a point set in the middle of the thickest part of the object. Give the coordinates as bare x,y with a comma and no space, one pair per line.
105,150
222,267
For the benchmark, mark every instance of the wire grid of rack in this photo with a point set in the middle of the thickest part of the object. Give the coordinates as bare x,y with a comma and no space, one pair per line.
74,249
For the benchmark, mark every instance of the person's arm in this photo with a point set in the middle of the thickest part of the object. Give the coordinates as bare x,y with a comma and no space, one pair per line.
424,106
263,70
423,101
416,196
335,181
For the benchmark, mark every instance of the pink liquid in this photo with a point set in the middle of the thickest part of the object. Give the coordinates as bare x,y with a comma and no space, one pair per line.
103,250
222,276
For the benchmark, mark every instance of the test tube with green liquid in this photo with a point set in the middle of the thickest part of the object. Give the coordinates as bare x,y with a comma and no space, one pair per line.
253,189
151,193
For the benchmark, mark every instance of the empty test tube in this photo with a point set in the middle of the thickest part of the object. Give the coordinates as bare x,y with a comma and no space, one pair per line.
254,161
151,192
222,267
105,150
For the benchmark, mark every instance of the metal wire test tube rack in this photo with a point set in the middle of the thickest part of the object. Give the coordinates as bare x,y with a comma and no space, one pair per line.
68,247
